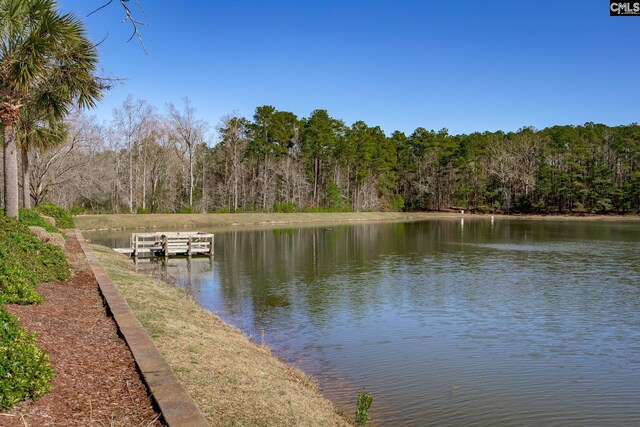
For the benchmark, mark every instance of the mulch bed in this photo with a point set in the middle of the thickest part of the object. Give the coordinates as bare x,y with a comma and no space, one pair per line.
96,383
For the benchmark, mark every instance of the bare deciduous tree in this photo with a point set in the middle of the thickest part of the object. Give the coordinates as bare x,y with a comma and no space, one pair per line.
131,122
186,132
67,165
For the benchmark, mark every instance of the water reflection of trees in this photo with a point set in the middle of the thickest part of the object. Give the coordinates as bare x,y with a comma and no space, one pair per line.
314,274
319,273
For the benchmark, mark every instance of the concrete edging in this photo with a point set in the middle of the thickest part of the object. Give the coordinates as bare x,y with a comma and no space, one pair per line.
177,407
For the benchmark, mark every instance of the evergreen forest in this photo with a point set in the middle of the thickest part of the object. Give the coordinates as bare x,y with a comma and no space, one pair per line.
147,161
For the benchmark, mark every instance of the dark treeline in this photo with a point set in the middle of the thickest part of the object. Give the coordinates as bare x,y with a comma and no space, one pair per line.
144,161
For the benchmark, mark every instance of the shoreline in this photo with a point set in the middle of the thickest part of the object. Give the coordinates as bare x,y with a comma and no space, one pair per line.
233,380
115,222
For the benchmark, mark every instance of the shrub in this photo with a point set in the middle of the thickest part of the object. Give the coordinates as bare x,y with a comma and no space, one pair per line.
315,209
62,216
25,262
396,203
539,206
25,371
284,207
32,218
333,197
185,210
602,205
77,209
362,407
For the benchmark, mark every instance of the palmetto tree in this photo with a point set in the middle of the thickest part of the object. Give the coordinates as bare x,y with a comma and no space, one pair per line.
40,131
46,63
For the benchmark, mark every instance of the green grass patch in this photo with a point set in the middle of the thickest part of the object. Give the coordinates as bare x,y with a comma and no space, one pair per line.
62,216
25,372
25,262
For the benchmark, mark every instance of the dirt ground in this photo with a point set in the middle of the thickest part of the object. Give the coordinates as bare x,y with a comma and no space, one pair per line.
96,382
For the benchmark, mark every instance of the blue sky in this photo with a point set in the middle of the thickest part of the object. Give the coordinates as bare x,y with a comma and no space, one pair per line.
462,65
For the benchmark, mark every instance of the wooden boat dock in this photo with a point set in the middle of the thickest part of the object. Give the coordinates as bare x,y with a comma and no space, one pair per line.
169,244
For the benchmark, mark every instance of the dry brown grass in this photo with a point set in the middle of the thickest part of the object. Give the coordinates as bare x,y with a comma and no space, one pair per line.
176,221
233,381
187,221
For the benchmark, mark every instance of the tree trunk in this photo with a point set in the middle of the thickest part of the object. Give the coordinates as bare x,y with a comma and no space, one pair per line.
144,185
204,193
264,184
10,169
315,182
190,181
26,187
235,190
130,179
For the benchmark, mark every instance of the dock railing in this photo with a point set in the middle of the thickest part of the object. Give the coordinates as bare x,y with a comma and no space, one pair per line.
170,243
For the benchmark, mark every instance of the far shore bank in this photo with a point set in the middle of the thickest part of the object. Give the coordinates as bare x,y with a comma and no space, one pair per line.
108,222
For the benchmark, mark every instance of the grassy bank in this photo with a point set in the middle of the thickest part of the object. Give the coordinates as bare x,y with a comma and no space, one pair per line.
26,262
173,221
233,381
190,221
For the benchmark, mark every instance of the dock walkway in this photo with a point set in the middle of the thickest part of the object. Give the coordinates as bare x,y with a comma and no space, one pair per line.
169,244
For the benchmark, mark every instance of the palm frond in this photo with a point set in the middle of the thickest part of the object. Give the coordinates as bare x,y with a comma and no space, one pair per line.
46,57
40,129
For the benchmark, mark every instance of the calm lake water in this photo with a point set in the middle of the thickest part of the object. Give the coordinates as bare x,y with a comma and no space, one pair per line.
521,323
